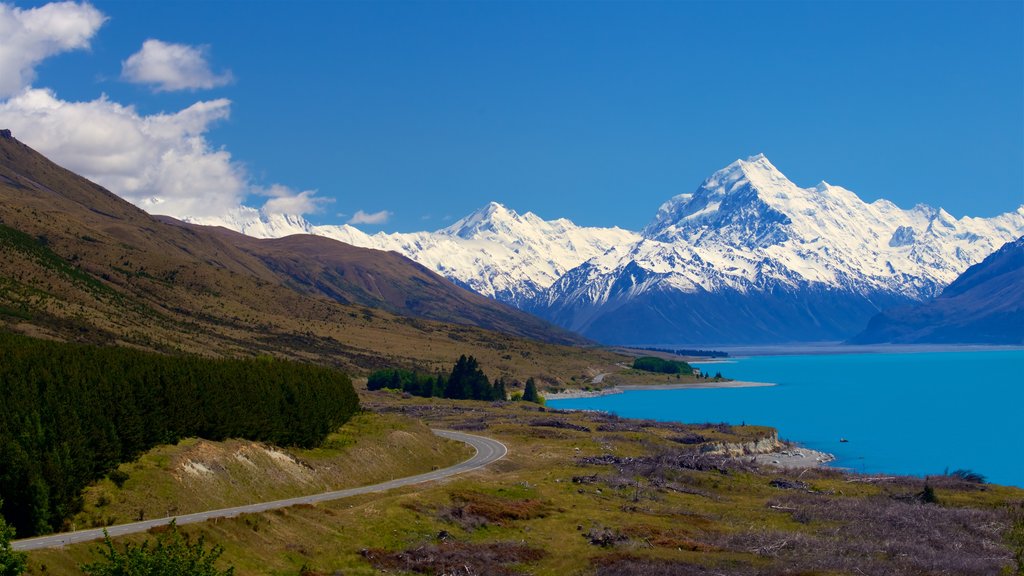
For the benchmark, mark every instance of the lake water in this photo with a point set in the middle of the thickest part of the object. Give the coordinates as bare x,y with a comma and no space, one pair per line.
907,413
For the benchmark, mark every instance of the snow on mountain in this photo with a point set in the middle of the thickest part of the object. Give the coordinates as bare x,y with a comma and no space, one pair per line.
493,251
748,229
984,305
817,261
749,219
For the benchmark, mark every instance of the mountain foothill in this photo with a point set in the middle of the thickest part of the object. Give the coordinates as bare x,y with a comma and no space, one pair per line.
78,263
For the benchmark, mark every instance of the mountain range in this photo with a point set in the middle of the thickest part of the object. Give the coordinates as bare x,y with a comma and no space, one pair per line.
984,305
78,263
748,258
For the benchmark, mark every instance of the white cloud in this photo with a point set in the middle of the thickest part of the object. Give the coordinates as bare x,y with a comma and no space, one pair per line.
27,37
284,200
170,67
361,217
161,163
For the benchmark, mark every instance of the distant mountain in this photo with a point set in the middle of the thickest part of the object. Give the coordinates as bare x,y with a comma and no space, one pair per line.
985,305
79,263
386,280
752,258
749,257
493,251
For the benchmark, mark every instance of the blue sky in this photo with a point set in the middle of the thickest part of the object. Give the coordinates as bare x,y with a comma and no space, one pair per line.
598,112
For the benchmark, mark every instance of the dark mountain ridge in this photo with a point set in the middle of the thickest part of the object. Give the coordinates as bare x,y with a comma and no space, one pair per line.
984,305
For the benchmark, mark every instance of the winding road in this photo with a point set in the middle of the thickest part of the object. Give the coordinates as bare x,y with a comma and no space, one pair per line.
487,450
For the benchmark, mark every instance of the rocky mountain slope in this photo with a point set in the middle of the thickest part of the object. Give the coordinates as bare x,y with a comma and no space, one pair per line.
749,257
985,305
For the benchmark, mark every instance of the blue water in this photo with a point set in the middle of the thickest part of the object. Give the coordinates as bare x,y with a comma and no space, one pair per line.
916,414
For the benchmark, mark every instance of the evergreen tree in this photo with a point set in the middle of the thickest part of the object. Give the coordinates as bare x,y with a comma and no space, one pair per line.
71,413
11,563
530,392
499,389
458,381
479,385
468,381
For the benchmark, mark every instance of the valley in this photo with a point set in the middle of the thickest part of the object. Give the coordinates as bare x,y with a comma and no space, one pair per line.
612,495
511,288
591,493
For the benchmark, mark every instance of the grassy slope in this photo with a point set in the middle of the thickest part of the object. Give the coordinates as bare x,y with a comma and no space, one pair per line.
78,263
197,475
732,519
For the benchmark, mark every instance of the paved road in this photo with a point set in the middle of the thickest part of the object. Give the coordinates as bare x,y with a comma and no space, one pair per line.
487,451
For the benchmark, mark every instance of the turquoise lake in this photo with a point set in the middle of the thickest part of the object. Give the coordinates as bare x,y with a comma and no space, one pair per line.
909,413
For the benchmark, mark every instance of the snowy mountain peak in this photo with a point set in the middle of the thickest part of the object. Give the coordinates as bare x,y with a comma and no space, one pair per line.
486,219
747,231
756,170
745,191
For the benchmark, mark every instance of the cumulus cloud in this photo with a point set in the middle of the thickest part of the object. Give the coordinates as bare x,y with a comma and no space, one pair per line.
161,162
361,217
27,37
169,67
284,200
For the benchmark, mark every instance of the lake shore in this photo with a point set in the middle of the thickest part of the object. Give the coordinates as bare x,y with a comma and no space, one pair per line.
792,457
574,394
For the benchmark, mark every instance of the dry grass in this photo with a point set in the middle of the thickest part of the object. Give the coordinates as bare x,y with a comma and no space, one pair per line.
197,475
86,266
456,558
642,503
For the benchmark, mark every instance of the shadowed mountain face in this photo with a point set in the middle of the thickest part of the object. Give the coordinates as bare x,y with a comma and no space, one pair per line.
985,305
79,263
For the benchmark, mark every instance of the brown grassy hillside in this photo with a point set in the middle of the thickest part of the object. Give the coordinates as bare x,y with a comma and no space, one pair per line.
78,263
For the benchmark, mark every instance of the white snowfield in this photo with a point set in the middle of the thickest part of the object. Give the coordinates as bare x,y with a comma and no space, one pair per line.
493,251
746,228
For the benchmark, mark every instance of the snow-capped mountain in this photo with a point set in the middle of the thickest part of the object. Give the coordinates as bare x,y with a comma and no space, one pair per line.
494,251
984,305
752,257
749,257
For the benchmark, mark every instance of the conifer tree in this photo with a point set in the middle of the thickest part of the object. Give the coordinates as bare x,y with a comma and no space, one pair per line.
530,392
499,389
11,563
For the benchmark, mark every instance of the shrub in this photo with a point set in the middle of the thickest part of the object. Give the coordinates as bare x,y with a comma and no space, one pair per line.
967,476
118,477
654,364
170,555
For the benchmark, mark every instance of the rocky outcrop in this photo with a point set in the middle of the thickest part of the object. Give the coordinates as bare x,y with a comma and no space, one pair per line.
765,445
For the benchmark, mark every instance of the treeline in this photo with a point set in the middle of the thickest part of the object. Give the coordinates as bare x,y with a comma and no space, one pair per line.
653,364
691,352
71,413
466,381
